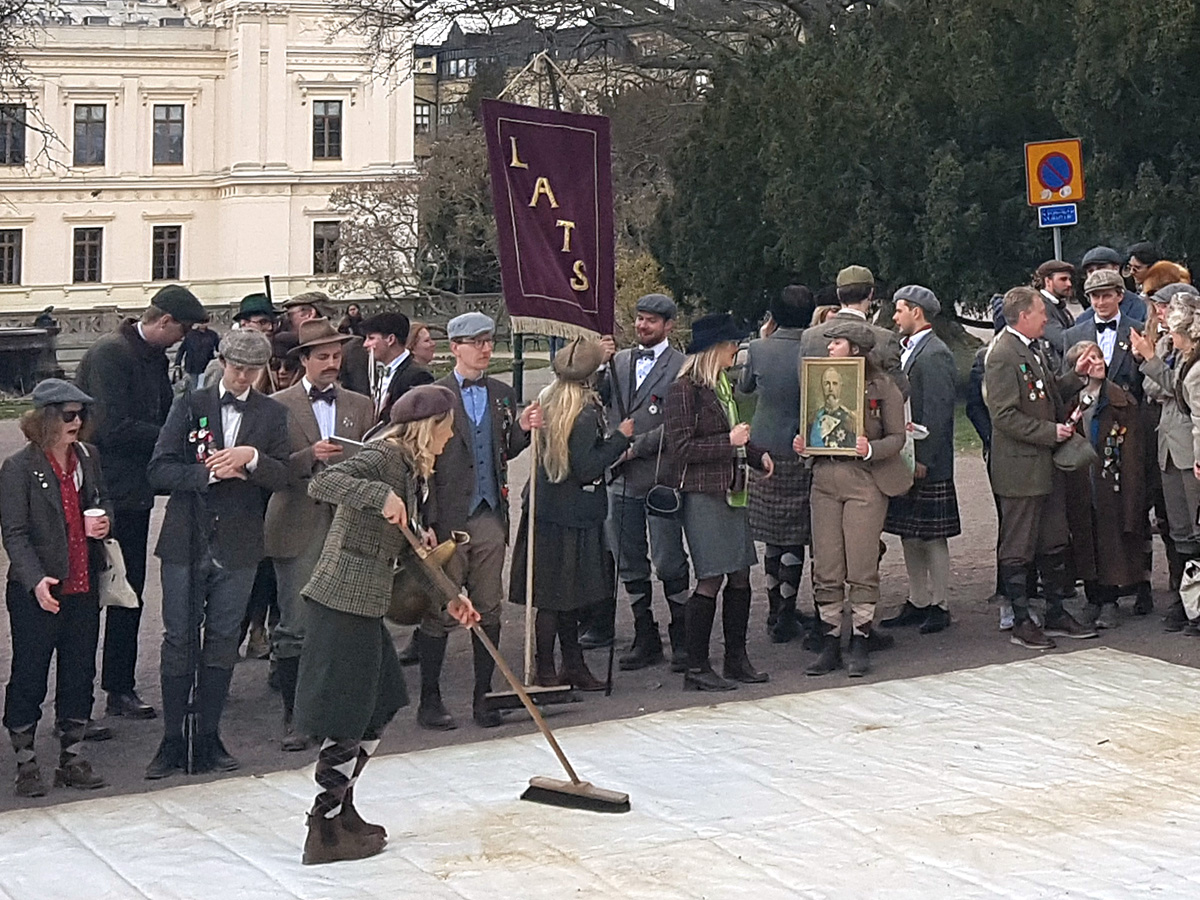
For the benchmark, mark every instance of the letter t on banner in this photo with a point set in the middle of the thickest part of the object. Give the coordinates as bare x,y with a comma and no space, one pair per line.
552,192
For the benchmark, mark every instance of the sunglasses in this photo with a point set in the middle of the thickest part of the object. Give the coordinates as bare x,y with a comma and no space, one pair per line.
70,415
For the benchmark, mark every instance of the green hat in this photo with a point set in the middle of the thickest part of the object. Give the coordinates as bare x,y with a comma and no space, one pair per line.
255,305
852,275
179,303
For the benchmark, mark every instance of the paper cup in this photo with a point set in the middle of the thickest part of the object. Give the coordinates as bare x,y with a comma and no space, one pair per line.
94,513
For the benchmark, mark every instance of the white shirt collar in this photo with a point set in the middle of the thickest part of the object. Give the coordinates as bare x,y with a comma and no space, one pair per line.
395,363
916,338
242,396
658,348
1024,340
308,385
141,331
854,312
1049,296
1116,318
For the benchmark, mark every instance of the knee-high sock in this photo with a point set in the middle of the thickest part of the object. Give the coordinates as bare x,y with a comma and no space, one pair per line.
937,554
916,561
791,568
336,765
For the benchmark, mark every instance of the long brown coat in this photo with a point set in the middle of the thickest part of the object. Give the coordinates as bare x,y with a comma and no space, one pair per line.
1106,504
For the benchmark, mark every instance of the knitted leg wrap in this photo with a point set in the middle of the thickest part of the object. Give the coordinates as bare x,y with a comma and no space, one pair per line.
335,772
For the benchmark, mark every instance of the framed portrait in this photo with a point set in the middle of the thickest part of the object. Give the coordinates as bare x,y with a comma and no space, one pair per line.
831,404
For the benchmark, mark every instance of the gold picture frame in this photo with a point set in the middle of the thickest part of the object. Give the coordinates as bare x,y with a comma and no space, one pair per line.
832,392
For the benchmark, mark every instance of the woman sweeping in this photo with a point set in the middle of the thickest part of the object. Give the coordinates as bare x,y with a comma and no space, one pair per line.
572,566
350,683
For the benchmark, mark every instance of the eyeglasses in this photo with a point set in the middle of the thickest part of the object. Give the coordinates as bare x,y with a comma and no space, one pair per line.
478,343
70,415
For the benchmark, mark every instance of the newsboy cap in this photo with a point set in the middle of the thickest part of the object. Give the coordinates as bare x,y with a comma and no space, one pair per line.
1104,280
1164,294
915,295
852,275
245,347
180,304
315,299
469,325
657,305
578,360
857,333
1101,256
55,390
1053,267
422,402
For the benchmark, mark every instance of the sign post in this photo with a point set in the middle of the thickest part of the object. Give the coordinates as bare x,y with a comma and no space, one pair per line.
1054,176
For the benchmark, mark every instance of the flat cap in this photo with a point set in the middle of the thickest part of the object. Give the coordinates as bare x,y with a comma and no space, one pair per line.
245,347
1101,256
915,295
469,325
308,298
55,390
395,323
852,275
422,402
578,360
1104,280
180,304
657,305
1053,267
857,333
1164,294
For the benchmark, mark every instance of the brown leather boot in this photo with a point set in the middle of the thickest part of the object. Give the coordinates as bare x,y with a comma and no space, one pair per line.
354,823
329,840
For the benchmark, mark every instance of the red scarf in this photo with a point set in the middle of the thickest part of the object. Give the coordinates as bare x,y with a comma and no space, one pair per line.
77,548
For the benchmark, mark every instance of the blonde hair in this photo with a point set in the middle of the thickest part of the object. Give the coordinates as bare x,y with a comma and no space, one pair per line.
562,401
704,368
413,439
821,313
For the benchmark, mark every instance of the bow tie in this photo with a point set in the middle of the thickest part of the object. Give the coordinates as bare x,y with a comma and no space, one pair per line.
328,395
477,383
228,399
643,354
1106,326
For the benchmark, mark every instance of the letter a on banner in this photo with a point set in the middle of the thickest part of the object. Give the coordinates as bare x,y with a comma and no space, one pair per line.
552,191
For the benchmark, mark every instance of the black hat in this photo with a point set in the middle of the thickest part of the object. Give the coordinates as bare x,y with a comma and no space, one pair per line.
386,323
179,303
715,328
55,390
422,402
255,305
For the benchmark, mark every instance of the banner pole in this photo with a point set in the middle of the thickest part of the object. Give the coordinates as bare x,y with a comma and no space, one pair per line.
518,366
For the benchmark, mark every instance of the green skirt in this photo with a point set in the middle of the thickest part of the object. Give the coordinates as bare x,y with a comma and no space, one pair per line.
350,684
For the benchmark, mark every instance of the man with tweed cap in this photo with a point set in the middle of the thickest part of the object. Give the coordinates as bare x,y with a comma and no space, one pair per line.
222,450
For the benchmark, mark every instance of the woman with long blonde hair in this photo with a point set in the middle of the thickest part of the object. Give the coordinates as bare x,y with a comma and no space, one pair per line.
572,570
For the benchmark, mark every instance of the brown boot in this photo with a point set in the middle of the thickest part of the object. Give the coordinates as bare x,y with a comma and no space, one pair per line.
330,841
576,673
354,823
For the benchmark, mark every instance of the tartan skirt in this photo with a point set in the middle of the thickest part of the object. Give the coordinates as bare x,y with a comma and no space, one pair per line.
927,512
778,507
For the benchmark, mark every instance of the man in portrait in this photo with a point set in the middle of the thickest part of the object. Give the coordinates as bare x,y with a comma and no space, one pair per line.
833,425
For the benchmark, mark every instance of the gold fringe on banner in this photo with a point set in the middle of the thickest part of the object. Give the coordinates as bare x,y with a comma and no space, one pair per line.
550,328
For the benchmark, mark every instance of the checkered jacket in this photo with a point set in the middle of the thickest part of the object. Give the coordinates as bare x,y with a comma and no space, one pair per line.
697,439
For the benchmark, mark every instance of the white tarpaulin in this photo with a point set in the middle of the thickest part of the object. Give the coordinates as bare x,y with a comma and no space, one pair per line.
1072,775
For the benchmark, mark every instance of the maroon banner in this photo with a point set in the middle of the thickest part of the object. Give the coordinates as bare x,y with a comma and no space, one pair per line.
552,191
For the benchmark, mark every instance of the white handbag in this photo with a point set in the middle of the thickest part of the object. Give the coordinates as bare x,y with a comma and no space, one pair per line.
1189,589
112,586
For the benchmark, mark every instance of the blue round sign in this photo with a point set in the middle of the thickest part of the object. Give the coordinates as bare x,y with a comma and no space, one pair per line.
1054,171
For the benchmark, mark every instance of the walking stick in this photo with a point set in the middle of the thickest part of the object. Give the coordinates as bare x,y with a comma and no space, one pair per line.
529,532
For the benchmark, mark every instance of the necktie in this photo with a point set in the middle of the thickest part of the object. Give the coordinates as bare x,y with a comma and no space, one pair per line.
228,399
1105,326
327,396
478,382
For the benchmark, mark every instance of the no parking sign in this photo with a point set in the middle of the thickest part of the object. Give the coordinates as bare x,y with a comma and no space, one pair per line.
1054,172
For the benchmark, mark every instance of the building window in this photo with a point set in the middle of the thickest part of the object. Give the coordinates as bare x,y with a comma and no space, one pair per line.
422,117
164,264
461,68
12,134
446,113
325,247
168,134
88,244
10,256
89,134
327,129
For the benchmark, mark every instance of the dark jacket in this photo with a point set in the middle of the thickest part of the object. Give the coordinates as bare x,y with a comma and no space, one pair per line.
580,500
932,377
770,371
454,475
226,516
1123,369
31,514
977,410
1132,305
646,406
196,350
698,438
128,379
408,375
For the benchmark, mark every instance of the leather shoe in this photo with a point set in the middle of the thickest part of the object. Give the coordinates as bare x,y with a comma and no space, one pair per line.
1175,618
78,774
214,757
706,680
431,714
93,731
1144,605
1063,624
1027,634
168,760
129,705
29,781
936,620
908,615
485,716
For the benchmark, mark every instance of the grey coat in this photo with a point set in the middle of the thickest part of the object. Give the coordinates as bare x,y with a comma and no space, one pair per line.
1174,425
646,406
771,371
933,378
886,353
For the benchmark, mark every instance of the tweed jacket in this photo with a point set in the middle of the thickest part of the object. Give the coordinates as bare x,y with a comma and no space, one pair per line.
1058,320
770,371
363,549
31,514
225,517
1174,423
1123,369
932,377
292,515
454,476
128,379
1025,400
885,354
646,405
408,375
698,438
884,425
